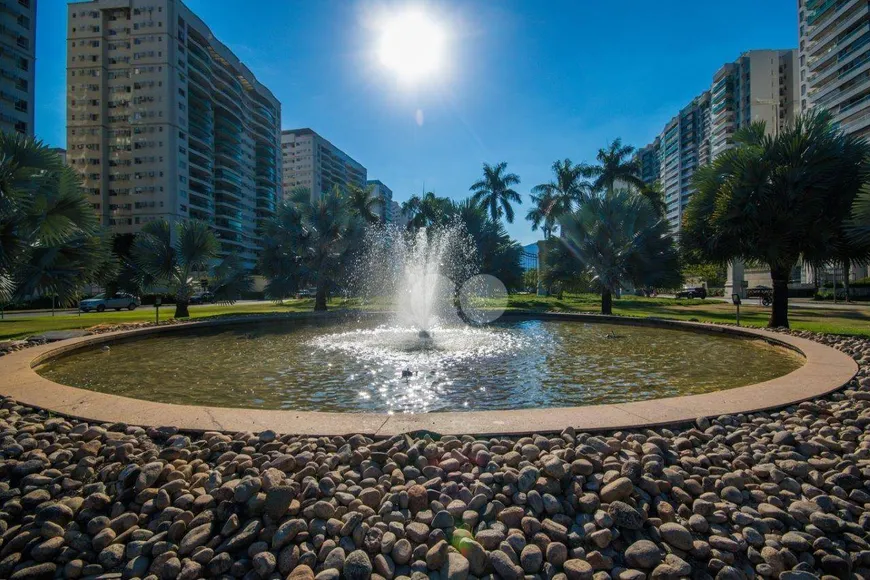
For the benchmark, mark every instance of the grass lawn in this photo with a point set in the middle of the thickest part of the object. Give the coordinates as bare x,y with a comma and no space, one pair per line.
832,319
18,327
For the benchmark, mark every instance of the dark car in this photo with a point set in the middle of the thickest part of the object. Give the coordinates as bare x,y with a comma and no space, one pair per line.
202,298
697,292
764,293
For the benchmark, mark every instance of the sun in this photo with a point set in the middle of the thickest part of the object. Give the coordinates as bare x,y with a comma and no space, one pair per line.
412,45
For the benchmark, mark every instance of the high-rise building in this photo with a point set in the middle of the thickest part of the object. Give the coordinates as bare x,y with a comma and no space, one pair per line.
312,162
17,65
649,161
398,216
384,195
835,60
164,121
761,85
684,146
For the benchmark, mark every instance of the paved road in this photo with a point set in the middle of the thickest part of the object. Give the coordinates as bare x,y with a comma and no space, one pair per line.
18,314
792,303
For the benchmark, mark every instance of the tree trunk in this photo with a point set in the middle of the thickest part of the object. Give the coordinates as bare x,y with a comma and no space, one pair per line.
320,298
779,309
606,302
181,309
846,278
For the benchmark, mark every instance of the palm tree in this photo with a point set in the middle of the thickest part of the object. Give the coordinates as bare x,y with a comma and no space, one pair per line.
616,166
50,242
175,260
426,211
770,200
559,196
496,253
363,204
311,242
541,213
618,238
494,191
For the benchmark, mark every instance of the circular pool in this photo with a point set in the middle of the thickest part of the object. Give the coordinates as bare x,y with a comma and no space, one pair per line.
340,365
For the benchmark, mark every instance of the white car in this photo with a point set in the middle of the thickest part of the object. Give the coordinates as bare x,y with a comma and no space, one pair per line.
117,301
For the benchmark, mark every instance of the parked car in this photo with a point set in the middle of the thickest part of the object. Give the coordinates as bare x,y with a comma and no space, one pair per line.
202,298
765,293
306,293
117,301
696,292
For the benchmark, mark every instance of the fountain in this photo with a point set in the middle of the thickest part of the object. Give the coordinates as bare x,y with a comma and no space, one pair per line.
421,355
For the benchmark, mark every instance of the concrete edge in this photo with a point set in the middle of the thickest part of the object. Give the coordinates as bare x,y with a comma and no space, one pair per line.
825,371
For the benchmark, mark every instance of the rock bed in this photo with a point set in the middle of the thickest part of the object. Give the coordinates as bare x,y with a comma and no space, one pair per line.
772,495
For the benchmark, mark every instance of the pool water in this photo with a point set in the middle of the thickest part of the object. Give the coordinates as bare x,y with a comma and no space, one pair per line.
363,366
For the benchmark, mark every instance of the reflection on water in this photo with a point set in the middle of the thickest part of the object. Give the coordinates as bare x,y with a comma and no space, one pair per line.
361,366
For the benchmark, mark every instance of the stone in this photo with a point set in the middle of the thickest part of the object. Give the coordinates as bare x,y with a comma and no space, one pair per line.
357,566
643,554
618,489
677,536
577,569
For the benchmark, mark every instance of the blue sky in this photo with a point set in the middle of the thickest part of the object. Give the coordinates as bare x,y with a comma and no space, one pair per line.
527,82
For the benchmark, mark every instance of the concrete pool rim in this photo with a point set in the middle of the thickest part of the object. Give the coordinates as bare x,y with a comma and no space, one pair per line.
825,370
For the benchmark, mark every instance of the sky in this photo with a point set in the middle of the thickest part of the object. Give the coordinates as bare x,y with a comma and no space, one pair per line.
522,82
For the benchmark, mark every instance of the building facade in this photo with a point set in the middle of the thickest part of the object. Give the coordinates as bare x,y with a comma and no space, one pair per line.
310,161
835,60
17,66
384,195
398,217
649,161
761,85
165,122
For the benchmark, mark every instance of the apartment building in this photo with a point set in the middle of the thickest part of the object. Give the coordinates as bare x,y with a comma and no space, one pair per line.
17,65
384,195
310,161
761,85
164,121
835,60
649,161
398,217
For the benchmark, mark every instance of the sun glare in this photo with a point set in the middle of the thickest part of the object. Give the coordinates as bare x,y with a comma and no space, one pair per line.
412,45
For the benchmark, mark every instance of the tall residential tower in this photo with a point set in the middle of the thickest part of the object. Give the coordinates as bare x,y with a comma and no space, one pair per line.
835,60
17,65
761,85
312,162
164,121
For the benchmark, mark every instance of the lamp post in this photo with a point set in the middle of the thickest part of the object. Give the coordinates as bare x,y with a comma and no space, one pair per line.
157,311
735,298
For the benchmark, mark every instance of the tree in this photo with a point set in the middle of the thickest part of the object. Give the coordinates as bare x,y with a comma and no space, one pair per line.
541,213
618,238
557,197
50,242
426,211
772,199
494,191
616,166
311,243
173,255
363,204
497,254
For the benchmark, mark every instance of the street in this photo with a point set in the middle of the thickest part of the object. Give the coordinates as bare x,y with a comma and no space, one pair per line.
18,314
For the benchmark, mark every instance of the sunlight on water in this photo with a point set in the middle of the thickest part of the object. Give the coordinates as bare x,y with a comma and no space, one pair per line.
365,366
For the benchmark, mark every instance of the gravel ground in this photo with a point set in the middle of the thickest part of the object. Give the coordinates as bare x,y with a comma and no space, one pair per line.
774,495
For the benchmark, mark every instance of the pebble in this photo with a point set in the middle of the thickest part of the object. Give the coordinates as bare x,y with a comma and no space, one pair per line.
777,494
